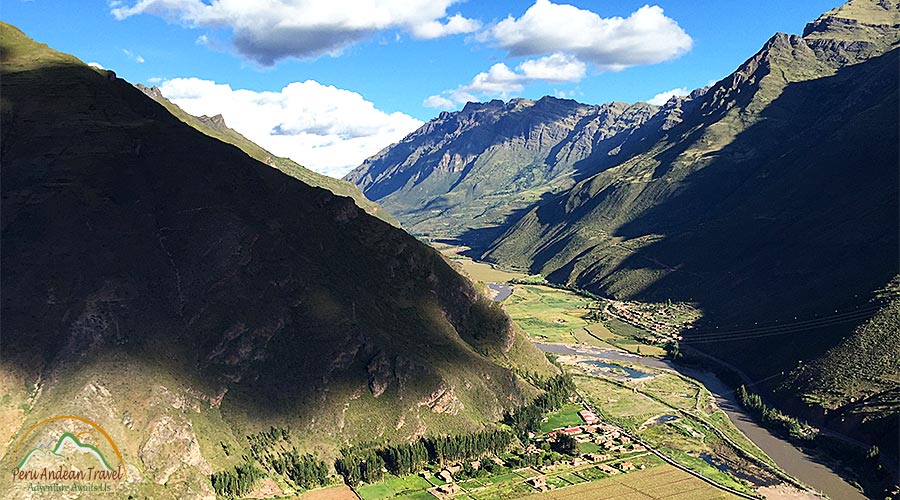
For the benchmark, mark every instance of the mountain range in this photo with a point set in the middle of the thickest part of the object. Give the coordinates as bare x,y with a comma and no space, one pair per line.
768,199
187,295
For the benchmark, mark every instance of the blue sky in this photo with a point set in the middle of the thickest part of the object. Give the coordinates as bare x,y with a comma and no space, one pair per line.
331,82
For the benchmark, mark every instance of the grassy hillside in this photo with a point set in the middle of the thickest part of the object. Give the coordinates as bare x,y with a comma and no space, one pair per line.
186,296
858,381
773,203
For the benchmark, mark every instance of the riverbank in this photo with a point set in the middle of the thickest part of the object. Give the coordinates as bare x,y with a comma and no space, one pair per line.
787,456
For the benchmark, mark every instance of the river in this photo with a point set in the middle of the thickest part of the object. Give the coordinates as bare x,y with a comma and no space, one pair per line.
500,291
787,456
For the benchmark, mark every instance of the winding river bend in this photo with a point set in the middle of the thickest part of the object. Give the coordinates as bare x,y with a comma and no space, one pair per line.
787,456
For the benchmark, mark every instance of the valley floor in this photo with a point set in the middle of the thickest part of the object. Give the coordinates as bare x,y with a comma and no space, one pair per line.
614,349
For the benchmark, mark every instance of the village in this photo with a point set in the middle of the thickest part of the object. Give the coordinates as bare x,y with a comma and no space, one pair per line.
602,450
668,320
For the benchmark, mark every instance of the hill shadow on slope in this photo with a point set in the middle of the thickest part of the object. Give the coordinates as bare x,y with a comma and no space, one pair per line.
797,218
762,235
794,219
128,233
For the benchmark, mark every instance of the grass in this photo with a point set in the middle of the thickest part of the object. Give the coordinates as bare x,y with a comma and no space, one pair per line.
565,417
584,336
662,482
375,491
634,404
618,404
417,495
406,487
674,390
589,447
502,491
548,314
478,271
701,466
559,316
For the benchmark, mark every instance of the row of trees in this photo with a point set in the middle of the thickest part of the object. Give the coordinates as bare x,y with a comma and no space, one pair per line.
442,449
773,418
405,458
304,470
236,482
272,450
525,419
366,465
360,465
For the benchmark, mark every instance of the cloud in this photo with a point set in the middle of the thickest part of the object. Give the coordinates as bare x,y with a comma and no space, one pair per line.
95,65
501,81
663,97
554,68
455,25
438,102
266,31
647,36
324,128
131,55
567,39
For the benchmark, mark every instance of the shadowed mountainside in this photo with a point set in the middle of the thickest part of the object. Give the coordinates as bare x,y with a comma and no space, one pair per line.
215,126
184,294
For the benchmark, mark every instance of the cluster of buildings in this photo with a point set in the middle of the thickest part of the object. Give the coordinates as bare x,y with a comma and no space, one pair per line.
608,437
645,319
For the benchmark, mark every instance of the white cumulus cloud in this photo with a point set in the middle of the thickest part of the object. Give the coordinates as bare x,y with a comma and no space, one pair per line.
268,30
647,36
439,102
455,25
95,65
663,97
554,68
324,128
567,38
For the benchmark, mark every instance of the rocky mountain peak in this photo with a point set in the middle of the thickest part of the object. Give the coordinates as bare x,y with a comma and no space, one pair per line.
855,31
217,121
153,91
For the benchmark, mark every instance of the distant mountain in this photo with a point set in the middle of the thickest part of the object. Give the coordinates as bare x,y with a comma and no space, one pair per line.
769,199
473,168
184,295
215,126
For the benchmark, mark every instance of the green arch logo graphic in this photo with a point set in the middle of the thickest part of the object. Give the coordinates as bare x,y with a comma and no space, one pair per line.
68,438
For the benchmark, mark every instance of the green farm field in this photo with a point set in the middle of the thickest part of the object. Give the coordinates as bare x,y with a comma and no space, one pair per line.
406,487
548,314
561,317
662,482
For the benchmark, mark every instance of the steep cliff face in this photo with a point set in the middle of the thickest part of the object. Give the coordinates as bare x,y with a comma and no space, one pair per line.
185,295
